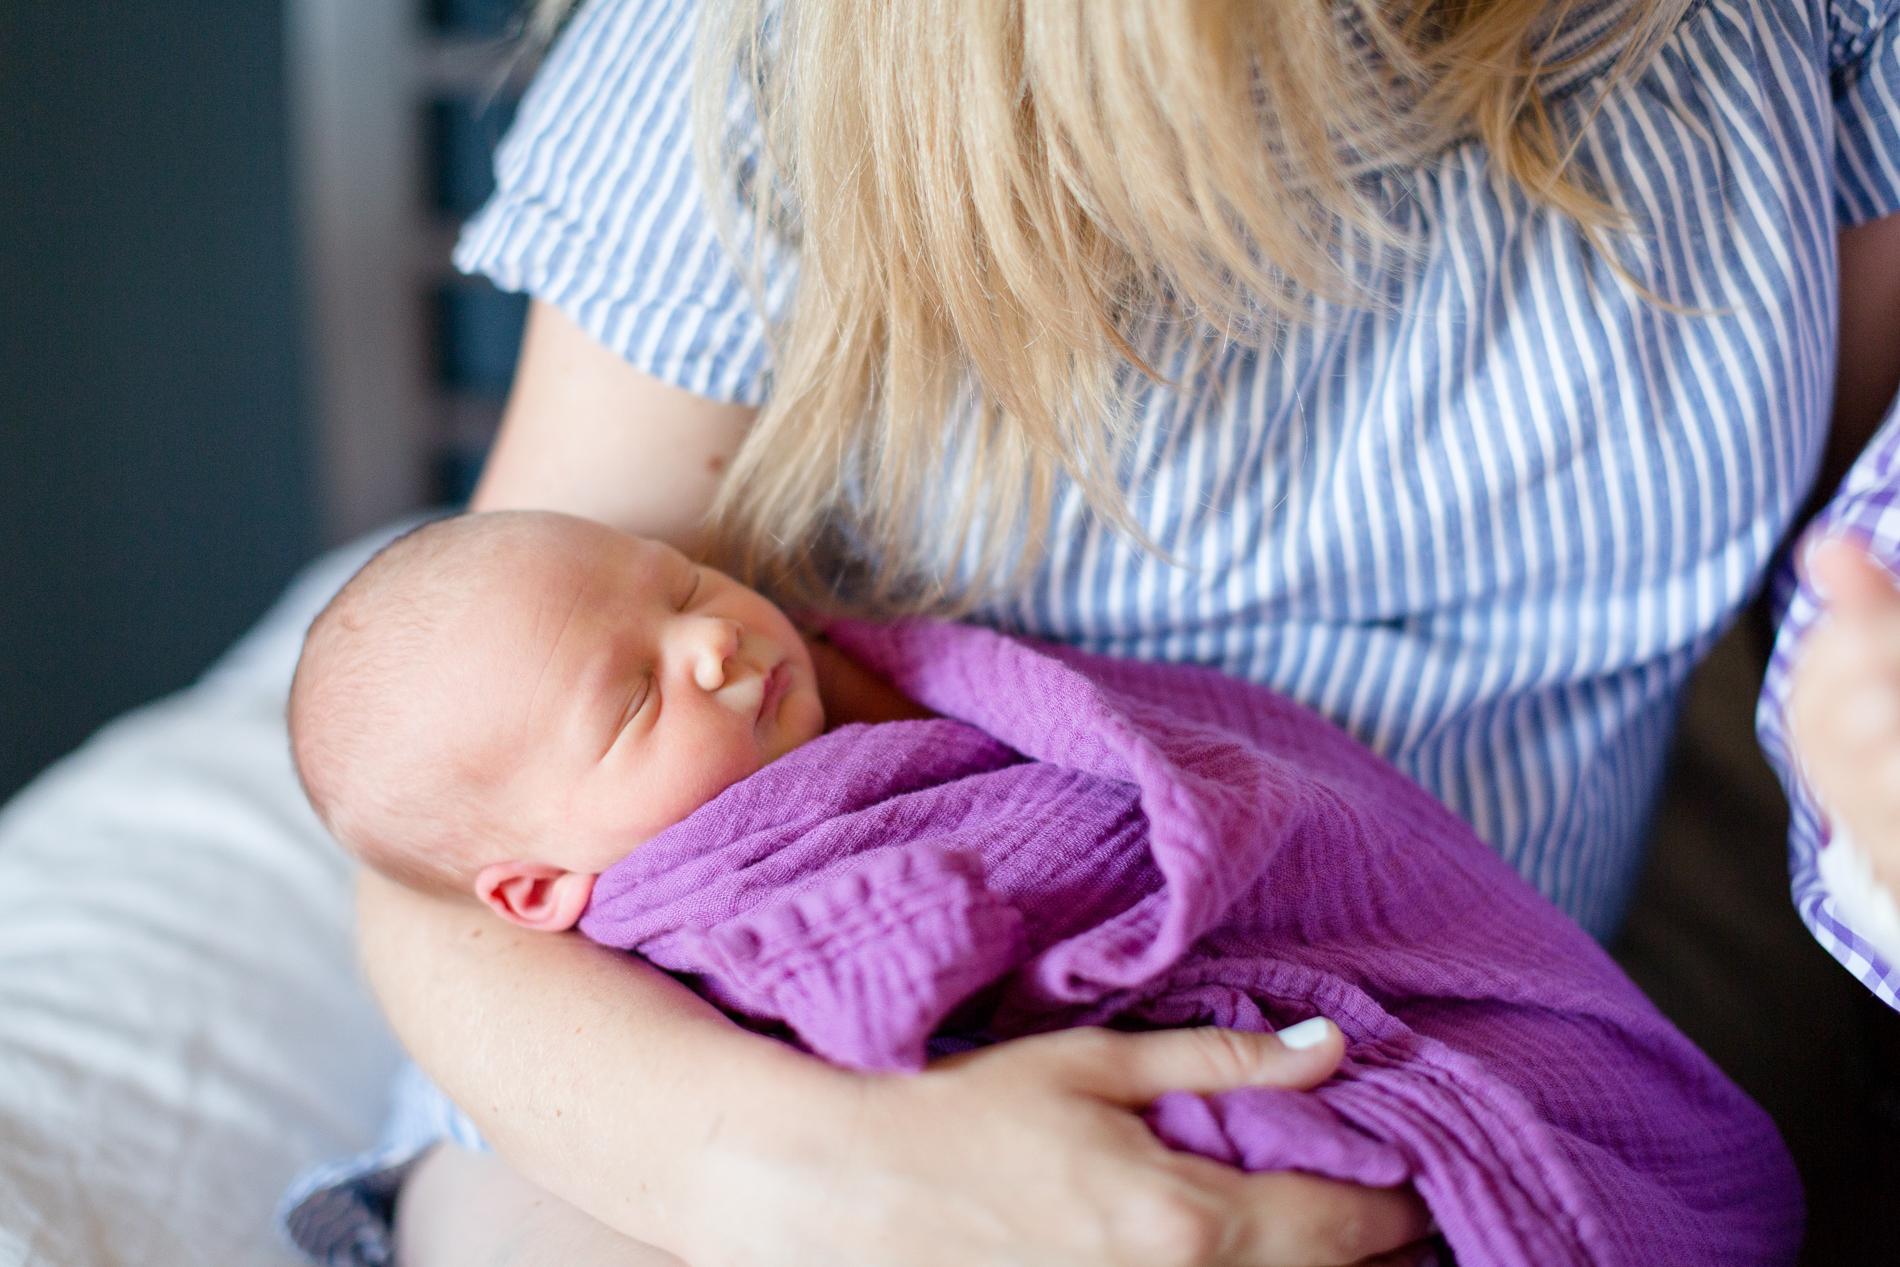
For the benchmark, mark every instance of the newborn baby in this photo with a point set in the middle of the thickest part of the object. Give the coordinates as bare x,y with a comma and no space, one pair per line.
506,704
509,704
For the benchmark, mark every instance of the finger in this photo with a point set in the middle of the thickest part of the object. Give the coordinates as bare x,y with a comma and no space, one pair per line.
1295,1218
1846,688
1137,1069
1868,714
1851,583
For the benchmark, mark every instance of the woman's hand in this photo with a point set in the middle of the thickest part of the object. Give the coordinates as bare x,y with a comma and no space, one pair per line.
1127,1202
1030,1153
611,1085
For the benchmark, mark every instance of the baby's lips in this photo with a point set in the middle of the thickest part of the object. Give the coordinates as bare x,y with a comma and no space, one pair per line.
777,679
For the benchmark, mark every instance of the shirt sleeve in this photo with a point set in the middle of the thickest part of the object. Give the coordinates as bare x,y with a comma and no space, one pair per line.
1867,508
599,209
1864,63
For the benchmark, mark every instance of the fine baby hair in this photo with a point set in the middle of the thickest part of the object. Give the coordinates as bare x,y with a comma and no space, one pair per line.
378,666
506,704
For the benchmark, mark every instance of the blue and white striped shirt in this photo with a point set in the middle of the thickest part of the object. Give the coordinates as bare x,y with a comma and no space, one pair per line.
1488,525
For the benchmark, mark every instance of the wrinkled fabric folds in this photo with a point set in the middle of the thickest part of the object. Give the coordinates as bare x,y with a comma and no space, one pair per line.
1087,841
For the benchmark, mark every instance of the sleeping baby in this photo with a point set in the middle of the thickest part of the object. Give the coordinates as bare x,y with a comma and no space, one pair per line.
588,731
506,704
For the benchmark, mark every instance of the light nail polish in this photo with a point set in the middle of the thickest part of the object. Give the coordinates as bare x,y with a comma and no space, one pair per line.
1308,1033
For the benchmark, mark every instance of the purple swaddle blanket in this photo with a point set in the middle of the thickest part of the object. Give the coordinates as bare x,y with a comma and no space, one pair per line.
1097,841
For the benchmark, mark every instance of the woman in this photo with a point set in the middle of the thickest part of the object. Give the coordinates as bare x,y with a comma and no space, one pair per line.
1453,369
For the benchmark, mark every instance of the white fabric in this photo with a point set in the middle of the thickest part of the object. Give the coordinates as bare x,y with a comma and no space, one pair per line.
1860,899
182,1026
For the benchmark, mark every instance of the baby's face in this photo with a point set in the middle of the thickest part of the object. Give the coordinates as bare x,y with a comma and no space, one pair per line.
637,686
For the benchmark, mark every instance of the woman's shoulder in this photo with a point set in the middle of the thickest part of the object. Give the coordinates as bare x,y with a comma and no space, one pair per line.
1715,39
609,101
599,210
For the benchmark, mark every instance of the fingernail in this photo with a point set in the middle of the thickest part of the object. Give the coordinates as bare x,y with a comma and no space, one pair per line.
1308,1033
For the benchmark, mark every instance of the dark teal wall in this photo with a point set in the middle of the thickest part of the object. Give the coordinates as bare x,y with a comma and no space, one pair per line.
154,468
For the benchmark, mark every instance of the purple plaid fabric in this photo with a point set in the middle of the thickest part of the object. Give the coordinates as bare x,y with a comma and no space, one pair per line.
1097,841
1867,508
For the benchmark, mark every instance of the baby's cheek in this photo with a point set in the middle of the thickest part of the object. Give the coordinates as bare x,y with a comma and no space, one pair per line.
801,720
736,759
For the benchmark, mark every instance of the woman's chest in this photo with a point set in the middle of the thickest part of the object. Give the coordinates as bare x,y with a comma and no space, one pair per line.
1526,437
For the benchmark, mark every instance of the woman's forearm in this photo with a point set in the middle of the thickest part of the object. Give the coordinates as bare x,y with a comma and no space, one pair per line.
618,1090
588,434
598,1077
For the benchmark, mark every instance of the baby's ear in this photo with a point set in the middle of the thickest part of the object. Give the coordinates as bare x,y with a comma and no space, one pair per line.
535,895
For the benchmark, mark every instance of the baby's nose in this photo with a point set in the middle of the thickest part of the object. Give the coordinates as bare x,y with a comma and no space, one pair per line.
710,642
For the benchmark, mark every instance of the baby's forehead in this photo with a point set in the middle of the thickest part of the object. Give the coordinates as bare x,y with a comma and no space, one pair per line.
577,547
511,587
658,579
631,567
544,581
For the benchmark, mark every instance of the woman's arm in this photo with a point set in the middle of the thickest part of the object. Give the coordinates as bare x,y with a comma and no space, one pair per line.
588,434
611,1085
616,1088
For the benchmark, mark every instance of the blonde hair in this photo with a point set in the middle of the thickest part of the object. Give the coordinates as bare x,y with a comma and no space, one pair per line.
998,193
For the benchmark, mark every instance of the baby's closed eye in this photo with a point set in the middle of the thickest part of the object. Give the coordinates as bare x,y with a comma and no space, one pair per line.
692,591
643,690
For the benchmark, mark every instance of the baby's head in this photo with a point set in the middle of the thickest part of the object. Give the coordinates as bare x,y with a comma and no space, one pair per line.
506,704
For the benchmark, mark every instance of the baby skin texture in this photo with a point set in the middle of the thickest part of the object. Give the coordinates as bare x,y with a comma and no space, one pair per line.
503,705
